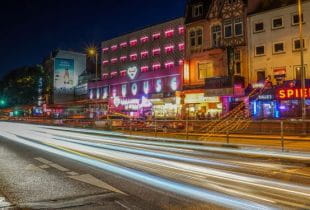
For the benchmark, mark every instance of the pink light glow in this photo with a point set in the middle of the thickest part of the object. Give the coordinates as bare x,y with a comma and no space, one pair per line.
133,57
114,47
123,58
169,33
156,66
133,42
144,54
123,44
156,36
181,62
169,48
123,73
113,60
181,30
181,46
105,62
169,64
104,50
144,68
144,39
156,51
113,73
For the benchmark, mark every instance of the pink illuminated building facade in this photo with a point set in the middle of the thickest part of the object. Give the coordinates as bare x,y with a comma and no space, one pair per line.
141,72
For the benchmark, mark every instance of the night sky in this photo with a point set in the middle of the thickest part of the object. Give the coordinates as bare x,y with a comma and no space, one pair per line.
31,29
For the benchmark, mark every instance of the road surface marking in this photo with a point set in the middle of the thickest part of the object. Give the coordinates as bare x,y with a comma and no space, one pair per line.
32,167
42,160
59,167
44,166
72,173
89,179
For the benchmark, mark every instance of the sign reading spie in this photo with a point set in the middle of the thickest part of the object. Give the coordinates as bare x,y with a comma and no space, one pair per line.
293,93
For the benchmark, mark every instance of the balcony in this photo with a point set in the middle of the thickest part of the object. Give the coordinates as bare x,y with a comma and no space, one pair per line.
224,86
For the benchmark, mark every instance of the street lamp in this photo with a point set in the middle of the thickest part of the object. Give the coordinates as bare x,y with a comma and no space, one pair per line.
302,66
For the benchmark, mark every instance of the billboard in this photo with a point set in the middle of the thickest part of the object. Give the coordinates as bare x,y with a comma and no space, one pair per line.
64,73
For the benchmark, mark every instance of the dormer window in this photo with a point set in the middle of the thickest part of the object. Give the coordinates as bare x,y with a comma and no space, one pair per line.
197,10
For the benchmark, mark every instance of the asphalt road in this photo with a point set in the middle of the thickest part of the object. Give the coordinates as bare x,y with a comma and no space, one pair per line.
64,167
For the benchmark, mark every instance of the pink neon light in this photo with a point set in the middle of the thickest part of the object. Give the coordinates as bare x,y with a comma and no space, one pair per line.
114,47
104,50
144,54
144,39
156,36
123,73
156,66
181,62
144,68
114,73
113,60
123,58
181,30
123,44
181,46
133,57
133,42
169,48
105,62
156,51
169,33
169,64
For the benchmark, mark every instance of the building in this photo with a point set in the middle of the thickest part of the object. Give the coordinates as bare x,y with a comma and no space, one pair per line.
141,72
274,53
216,55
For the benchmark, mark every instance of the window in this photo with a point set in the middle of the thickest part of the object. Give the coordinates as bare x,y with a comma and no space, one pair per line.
277,23
114,47
156,52
295,19
169,33
204,70
261,76
144,39
197,10
123,44
199,37
169,65
237,61
133,57
228,28
260,50
156,36
193,38
258,27
114,60
144,68
123,73
216,36
181,30
133,43
169,49
278,48
297,45
144,54
156,66
238,26
123,58
105,62
105,50
105,76
181,46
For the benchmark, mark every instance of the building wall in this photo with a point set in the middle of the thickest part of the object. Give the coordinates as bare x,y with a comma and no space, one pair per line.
289,59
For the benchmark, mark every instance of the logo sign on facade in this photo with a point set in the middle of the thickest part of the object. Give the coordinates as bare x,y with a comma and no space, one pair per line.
174,84
105,93
146,87
124,90
132,72
134,89
158,85
265,97
293,93
116,101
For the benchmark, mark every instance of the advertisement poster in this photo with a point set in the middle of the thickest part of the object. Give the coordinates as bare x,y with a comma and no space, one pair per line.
64,73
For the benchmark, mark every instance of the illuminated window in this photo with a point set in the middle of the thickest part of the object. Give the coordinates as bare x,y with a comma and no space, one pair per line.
114,60
113,74
105,62
133,43
156,66
144,68
133,57
169,65
204,70
105,76
123,58
144,54
114,47
144,39
169,33
156,52
123,73
181,30
156,36
181,46
169,49
105,50
123,44
181,62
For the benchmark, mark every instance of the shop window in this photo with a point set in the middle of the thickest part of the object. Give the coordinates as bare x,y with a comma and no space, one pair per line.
297,45
156,36
169,65
133,43
278,48
259,27
277,23
295,19
260,50
144,54
261,76
181,30
144,39
144,68
216,31
169,49
228,30
156,67
156,52
204,70
123,44
133,57
169,33
238,69
238,26
197,10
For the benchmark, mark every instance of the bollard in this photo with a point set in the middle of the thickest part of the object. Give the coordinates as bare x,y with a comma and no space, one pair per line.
282,136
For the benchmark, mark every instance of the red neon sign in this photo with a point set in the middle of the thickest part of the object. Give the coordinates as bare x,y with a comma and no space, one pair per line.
293,93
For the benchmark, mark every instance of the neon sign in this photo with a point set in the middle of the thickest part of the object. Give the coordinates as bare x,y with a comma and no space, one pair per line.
134,89
146,87
173,84
293,93
124,90
158,85
132,72
105,93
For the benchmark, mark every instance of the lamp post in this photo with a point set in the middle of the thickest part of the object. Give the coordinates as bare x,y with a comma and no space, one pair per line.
92,52
302,66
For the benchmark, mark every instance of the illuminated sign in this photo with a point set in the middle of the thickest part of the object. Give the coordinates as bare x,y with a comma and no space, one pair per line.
124,90
132,72
146,87
117,101
265,97
134,89
132,104
174,84
293,93
105,93
158,85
